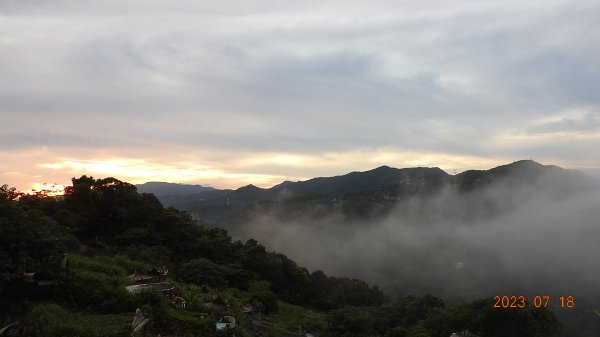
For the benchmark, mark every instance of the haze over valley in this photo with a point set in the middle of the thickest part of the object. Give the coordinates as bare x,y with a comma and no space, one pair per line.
520,228
347,168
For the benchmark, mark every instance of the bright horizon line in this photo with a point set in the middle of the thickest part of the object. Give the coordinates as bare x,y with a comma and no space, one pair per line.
58,186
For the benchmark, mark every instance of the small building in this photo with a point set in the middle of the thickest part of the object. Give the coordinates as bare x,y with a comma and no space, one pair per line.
141,278
179,302
159,272
164,288
225,323
139,321
136,288
153,275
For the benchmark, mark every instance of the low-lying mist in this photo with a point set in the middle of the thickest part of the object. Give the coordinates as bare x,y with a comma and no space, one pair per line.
507,238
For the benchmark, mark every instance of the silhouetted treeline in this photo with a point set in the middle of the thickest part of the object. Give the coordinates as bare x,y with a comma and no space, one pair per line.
109,215
106,217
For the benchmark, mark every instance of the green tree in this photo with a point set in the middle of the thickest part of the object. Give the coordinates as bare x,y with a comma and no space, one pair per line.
9,193
30,240
268,300
350,322
202,271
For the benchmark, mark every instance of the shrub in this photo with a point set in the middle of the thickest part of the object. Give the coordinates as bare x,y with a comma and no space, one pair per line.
51,320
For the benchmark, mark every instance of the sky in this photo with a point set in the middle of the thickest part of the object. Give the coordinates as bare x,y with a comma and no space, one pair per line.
226,93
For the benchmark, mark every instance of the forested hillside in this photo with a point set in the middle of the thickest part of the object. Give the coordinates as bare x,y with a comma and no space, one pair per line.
66,263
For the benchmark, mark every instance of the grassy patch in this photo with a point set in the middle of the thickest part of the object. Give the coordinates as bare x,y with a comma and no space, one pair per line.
192,319
51,320
291,316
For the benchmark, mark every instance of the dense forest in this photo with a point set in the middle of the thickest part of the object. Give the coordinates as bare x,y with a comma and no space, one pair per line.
66,263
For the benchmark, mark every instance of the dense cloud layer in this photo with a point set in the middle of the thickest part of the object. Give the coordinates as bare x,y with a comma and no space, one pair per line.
206,83
530,239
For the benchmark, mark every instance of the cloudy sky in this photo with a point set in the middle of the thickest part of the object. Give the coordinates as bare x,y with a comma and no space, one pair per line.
226,93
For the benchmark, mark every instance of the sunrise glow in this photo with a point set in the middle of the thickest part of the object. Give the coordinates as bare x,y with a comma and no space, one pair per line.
271,94
46,189
264,169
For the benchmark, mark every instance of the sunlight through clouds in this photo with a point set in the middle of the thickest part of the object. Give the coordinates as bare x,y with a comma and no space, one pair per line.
261,169
136,170
231,93
140,171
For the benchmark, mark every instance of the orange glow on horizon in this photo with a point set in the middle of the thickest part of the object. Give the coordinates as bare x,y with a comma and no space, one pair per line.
45,189
230,170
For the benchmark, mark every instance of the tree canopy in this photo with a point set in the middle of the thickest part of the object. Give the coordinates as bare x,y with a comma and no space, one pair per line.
111,219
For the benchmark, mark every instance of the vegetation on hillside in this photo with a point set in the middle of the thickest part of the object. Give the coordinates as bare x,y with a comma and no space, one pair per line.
110,231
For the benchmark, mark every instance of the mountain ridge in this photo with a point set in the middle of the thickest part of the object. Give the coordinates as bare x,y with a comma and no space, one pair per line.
383,169
362,187
161,188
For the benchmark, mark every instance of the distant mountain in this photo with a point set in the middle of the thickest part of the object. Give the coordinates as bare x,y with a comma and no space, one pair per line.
356,194
161,189
361,181
522,171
